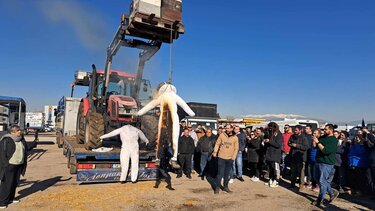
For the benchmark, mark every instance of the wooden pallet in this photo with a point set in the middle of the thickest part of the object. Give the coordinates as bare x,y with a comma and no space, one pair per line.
153,28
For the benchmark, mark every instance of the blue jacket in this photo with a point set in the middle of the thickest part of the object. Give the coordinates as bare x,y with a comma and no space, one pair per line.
312,156
358,155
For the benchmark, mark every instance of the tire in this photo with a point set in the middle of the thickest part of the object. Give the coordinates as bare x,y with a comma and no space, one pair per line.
80,127
94,128
149,126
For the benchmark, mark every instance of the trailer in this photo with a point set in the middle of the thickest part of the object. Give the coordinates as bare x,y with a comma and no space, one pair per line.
92,165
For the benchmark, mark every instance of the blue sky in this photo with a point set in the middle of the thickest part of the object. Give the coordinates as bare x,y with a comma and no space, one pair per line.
313,58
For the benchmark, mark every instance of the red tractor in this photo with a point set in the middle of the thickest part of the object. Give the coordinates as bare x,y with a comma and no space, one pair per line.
99,114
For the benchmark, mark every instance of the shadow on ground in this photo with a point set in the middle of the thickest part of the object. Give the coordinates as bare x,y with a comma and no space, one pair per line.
39,185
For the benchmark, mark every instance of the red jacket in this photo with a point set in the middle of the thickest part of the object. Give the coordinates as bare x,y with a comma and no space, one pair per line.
286,137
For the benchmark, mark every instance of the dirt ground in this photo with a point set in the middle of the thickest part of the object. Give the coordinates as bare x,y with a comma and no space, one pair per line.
49,186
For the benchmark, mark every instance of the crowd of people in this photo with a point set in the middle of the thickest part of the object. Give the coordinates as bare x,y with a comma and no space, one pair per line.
327,161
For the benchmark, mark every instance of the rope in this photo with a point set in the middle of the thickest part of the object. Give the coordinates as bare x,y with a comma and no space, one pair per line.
171,57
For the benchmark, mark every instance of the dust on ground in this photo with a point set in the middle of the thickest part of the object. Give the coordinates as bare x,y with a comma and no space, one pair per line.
49,186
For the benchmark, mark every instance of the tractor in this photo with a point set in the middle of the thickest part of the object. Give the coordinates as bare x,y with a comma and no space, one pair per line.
114,98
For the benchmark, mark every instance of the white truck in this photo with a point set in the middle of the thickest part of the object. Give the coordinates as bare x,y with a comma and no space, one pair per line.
34,121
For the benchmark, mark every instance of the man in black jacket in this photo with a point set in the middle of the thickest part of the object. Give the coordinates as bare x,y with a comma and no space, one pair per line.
13,163
186,150
206,146
298,150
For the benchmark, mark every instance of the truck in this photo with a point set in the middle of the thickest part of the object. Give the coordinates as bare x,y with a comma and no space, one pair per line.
114,97
205,115
49,120
12,112
91,165
34,121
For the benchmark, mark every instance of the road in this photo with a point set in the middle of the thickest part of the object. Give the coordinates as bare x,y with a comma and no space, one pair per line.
49,186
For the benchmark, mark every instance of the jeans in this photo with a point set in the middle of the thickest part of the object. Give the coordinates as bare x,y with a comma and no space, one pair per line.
184,160
285,162
297,168
204,159
239,165
255,169
192,162
224,171
312,173
323,173
309,170
371,178
274,170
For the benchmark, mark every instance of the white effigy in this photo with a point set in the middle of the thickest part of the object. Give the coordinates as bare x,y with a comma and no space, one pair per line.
167,98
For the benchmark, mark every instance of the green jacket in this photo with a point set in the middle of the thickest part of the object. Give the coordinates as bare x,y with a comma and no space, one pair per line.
328,154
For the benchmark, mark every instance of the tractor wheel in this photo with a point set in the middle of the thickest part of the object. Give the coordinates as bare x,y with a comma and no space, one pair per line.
94,128
80,127
149,126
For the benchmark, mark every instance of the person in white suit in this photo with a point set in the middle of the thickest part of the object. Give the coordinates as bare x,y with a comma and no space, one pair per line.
129,136
167,98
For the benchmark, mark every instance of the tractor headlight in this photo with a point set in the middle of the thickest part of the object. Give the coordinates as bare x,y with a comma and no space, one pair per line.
122,110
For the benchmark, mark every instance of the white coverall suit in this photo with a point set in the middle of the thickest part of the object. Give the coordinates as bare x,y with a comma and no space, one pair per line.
129,149
167,96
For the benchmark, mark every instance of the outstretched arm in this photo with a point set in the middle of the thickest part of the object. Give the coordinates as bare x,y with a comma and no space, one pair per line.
143,137
184,106
148,107
111,134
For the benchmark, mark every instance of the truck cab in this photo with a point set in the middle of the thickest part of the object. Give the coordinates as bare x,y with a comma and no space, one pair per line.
12,112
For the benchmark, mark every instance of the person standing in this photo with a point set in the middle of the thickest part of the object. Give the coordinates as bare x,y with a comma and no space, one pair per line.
298,147
254,149
226,149
273,142
285,159
182,126
370,142
308,167
186,150
325,158
129,136
338,174
200,131
358,162
312,160
13,163
206,147
193,135
241,147
165,154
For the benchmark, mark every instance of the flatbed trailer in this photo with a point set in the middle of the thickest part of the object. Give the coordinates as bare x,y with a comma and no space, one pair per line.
92,167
